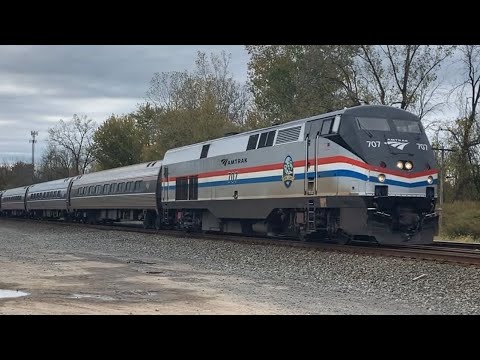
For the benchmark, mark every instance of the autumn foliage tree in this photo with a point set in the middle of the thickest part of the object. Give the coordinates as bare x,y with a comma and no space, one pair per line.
118,142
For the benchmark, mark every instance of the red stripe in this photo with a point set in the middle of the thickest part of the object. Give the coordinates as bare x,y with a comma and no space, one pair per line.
321,161
346,160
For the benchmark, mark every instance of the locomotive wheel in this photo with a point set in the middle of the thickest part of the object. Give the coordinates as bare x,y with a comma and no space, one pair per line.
343,238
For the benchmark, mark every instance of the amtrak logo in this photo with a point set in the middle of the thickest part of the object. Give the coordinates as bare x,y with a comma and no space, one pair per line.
226,162
397,143
288,174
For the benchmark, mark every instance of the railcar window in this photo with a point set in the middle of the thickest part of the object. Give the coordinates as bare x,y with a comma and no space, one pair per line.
375,124
113,188
407,126
97,189
129,187
137,186
58,193
252,142
204,151
121,187
105,189
327,124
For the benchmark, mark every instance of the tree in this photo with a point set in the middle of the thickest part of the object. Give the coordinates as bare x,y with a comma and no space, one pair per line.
55,164
74,137
195,106
465,130
402,74
16,174
118,142
293,81
147,117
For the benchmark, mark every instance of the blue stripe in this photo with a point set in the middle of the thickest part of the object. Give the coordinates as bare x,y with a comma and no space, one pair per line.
321,174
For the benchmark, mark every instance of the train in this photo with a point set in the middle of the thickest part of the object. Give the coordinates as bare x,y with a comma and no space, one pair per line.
365,173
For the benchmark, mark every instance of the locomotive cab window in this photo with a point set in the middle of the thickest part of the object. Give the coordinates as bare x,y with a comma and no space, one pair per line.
374,124
407,126
327,124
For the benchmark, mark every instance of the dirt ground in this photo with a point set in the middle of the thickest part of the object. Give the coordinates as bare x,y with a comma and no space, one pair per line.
66,284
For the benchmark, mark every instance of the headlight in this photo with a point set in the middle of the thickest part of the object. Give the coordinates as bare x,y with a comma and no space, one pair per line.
400,164
408,165
430,180
381,177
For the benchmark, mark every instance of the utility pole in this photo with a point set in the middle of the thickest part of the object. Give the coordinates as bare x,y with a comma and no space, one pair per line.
33,141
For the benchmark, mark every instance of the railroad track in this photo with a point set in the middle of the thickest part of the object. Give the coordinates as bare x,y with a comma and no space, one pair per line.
446,252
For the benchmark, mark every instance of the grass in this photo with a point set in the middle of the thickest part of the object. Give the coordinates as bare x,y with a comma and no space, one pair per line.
461,222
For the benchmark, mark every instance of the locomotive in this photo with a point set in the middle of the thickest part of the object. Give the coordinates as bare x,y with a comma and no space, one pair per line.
365,173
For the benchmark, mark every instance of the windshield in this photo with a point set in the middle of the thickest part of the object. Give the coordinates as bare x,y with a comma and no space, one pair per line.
407,126
376,124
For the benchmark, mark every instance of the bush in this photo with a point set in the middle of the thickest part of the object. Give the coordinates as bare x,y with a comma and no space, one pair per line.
461,219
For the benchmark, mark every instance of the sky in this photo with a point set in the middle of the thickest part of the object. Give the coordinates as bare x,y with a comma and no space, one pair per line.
40,85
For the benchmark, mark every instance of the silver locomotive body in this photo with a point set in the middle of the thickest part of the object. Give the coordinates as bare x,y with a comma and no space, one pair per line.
333,175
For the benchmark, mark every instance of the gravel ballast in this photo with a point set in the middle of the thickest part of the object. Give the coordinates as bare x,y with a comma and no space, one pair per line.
283,279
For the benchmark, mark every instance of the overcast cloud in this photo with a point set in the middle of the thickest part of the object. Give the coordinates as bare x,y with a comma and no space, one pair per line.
41,84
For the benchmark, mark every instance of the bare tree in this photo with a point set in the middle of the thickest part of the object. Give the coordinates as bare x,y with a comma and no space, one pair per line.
75,138
55,164
465,131
403,74
193,106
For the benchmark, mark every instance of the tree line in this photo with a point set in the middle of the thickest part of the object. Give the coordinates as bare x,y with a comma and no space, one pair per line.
285,82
